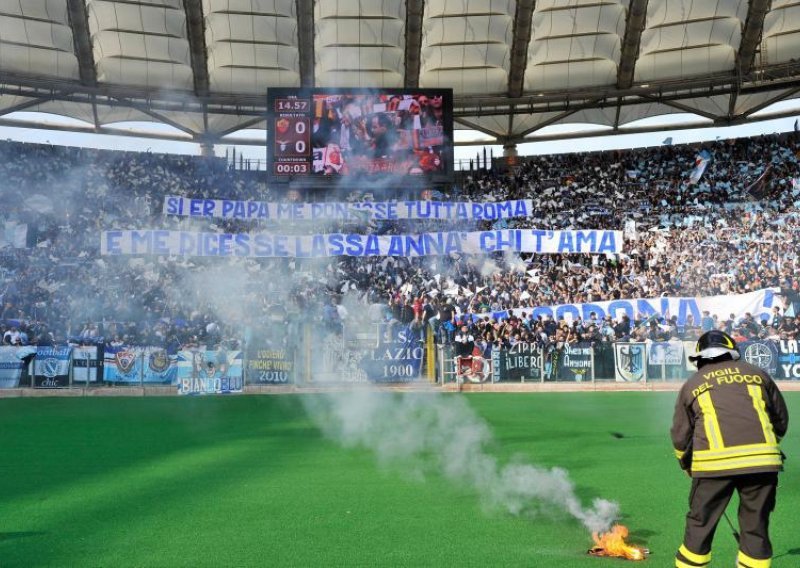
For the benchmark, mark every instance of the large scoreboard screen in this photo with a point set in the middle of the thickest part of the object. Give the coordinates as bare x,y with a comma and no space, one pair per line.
359,133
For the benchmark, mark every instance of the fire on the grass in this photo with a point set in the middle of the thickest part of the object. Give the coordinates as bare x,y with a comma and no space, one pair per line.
612,543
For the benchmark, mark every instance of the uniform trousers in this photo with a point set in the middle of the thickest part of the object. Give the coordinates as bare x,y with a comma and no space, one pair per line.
708,499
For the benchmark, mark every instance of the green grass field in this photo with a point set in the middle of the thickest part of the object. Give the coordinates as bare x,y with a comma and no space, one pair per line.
250,481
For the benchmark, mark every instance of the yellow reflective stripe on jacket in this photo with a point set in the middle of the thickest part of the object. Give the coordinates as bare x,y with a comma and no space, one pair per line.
770,460
679,454
749,562
693,557
745,450
710,421
761,409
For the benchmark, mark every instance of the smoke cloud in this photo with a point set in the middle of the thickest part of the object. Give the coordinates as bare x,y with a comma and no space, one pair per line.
440,434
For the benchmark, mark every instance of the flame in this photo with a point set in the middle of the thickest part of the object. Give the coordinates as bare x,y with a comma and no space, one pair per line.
613,543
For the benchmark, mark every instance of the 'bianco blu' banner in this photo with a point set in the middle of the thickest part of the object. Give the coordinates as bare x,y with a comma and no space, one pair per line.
262,245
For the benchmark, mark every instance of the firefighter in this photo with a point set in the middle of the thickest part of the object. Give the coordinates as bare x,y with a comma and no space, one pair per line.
729,419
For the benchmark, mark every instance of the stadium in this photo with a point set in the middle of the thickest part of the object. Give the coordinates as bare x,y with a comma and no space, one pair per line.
343,315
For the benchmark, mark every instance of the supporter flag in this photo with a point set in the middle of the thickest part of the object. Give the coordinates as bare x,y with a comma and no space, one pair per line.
647,321
700,163
758,189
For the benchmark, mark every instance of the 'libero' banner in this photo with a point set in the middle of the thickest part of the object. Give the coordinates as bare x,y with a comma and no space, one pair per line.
263,245
333,211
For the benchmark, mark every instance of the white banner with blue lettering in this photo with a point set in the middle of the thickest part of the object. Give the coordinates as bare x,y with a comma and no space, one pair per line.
210,372
378,210
757,303
261,245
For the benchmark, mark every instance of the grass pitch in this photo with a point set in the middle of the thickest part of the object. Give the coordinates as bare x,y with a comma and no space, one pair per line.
249,481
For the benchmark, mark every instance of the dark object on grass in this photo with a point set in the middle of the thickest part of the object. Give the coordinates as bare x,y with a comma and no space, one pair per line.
600,551
618,435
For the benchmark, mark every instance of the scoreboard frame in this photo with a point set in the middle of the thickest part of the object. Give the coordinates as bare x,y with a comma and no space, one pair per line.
291,114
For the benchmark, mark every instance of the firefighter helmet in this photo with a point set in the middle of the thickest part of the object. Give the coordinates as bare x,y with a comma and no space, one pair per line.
713,344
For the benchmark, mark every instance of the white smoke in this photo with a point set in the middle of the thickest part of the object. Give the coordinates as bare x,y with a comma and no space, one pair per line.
439,433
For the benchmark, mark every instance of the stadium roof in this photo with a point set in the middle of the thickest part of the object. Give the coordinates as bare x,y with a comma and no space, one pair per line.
203,66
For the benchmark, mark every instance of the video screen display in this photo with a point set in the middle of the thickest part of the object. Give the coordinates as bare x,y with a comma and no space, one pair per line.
359,133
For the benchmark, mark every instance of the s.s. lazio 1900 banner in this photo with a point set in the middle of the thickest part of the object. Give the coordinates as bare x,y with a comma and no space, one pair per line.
377,210
398,356
263,245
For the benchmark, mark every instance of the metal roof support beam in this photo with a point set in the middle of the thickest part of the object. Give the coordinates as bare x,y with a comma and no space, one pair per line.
81,38
195,33
414,12
732,102
241,126
11,123
523,22
772,100
547,122
751,35
305,41
473,126
159,117
684,108
23,106
118,97
637,15
92,130
95,116
687,88
772,78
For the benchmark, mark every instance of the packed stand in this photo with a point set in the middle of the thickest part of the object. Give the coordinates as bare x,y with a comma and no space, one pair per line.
732,232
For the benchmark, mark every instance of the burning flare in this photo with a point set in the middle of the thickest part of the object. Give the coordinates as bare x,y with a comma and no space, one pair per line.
613,543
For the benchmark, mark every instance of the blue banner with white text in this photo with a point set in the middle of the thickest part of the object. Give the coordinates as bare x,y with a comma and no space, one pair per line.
264,245
788,359
359,211
51,367
398,356
766,355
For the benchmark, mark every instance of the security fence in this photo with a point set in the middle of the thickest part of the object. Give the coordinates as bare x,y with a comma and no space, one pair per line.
388,354
619,361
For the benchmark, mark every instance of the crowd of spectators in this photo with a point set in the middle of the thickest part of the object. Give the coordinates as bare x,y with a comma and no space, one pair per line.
733,232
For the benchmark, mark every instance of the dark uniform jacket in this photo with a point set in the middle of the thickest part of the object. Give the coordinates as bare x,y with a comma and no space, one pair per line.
728,420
